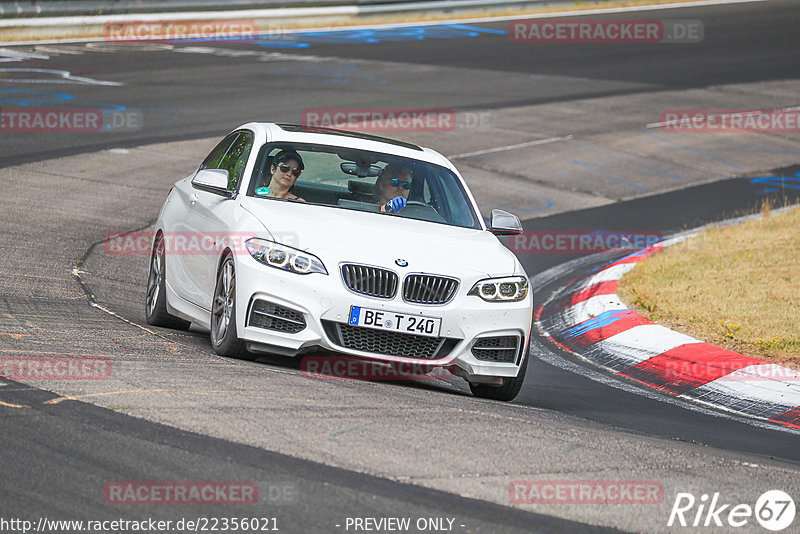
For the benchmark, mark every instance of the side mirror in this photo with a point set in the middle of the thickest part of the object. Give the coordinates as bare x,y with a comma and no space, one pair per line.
504,223
213,181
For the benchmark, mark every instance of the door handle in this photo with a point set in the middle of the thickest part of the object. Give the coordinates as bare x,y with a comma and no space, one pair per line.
193,198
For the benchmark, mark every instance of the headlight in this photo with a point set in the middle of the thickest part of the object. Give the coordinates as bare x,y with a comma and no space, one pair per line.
509,289
283,257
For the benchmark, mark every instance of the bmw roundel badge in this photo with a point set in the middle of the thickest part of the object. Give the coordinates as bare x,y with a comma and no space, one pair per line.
401,262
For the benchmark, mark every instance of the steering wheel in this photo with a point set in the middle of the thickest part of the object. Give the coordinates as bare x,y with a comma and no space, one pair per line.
415,209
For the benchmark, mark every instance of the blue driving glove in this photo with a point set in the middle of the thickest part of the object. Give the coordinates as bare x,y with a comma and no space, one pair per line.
396,204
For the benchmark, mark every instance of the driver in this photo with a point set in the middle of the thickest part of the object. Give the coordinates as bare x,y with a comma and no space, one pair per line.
392,186
285,169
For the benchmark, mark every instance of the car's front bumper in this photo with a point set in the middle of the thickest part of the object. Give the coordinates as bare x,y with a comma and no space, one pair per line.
325,298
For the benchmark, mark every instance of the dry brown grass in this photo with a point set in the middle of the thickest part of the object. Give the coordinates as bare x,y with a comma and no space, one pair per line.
736,287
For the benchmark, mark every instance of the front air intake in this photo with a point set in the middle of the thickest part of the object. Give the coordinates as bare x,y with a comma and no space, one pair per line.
496,349
271,316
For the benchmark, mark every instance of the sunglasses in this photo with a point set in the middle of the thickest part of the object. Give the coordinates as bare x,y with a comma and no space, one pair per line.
286,168
395,182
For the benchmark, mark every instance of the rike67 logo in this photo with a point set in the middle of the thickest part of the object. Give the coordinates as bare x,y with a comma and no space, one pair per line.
774,510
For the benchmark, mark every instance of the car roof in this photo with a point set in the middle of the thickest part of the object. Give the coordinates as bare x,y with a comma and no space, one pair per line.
298,133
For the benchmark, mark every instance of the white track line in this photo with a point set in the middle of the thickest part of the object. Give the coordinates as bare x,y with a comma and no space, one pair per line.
511,147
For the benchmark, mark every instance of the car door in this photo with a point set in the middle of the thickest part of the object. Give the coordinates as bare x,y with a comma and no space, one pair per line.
181,266
209,219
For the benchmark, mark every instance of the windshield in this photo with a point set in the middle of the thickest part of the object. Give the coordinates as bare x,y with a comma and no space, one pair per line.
360,180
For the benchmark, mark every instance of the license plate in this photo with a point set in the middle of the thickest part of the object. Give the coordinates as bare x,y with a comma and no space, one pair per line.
395,322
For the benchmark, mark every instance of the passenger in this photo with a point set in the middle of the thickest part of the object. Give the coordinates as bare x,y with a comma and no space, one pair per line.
285,169
392,186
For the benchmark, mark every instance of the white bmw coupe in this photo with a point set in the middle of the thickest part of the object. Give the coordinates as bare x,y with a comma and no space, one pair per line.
289,240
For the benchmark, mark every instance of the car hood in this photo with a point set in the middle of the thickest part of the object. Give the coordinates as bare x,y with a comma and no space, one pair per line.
339,235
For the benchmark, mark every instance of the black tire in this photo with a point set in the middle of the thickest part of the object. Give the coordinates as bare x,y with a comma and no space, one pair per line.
508,391
224,337
155,306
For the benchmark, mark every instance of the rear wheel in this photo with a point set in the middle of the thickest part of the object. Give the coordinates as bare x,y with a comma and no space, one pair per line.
156,301
224,337
508,391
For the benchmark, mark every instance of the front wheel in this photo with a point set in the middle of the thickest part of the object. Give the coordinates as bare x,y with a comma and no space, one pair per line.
224,337
508,391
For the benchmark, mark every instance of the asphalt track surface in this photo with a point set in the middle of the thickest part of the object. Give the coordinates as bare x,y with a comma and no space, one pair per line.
57,457
198,95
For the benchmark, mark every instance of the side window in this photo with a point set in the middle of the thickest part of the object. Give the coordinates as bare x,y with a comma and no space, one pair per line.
213,159
236,158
